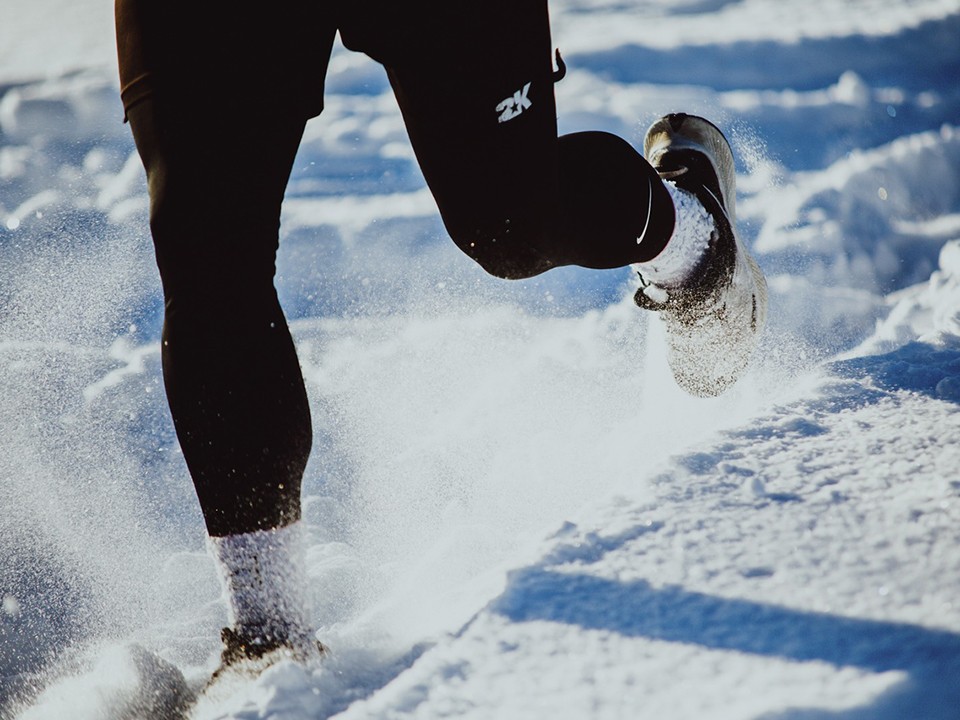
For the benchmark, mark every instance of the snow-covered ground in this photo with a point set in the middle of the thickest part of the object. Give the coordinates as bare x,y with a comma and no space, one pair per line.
512,511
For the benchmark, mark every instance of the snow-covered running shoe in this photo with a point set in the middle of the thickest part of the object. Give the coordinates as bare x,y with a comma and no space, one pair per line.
252,655
264,579
707,289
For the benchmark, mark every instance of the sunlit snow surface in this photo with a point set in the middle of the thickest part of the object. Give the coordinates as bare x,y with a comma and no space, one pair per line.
512,511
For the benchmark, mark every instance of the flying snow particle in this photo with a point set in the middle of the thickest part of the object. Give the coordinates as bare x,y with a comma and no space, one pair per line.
11,607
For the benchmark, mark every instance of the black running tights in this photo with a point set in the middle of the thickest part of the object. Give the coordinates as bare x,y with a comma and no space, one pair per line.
217,96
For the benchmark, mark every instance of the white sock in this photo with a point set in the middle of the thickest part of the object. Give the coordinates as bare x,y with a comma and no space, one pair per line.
691,235
264,578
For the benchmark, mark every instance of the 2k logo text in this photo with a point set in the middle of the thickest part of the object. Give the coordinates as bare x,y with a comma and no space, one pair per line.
511,107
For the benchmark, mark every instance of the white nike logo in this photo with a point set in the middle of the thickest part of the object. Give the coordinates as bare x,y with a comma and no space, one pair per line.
646,225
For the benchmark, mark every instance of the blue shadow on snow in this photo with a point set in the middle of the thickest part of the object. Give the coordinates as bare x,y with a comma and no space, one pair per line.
673,614
915,367
931,658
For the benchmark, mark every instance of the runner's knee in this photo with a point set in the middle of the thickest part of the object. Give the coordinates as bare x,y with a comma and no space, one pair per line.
506,249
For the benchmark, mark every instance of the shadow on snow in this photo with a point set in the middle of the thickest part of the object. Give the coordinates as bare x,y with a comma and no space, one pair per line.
915,367
931,658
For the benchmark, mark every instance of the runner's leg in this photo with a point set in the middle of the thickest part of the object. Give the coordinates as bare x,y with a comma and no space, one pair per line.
475,85
218,133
